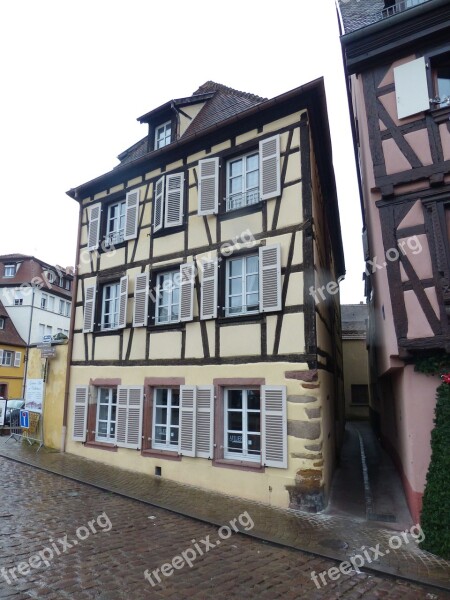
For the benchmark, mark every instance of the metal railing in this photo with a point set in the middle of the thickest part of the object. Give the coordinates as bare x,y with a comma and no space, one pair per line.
399,7
241,199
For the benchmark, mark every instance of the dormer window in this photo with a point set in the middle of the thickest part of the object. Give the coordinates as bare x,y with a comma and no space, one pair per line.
10,270
163,135
2,322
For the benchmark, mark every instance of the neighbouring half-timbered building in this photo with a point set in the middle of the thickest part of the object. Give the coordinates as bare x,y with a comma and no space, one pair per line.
397,58
198,353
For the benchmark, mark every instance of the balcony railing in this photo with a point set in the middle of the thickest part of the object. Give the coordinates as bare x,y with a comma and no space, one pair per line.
241,199
400,6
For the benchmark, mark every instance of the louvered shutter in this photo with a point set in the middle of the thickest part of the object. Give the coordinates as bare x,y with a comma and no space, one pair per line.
208,186
17,359
269,168
269,278
187,419
205,421
208,308
123,302
89,308
140,313
274,426
411,88
129,416
131,215
80,412
173,215
158,202
1,356
187,274
94,226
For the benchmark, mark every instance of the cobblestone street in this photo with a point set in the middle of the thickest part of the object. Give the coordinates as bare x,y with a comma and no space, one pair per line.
111,542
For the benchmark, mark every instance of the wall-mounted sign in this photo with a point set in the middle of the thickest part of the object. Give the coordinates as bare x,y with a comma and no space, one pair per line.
48,352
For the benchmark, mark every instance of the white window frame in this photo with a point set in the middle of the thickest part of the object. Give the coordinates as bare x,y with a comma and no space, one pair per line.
44,301
8,268
2,322
166,138
7,354
244,292
108,439
115,234
175,277
67,309
116,300
168,424
255,196
244,455
18,301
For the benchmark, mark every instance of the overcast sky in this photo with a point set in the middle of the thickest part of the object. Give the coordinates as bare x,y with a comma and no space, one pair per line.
76,75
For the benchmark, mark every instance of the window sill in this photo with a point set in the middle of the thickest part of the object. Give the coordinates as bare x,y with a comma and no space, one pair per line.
107,331
179,326
240,465
244,318
102,249
101,446
164,454
240,212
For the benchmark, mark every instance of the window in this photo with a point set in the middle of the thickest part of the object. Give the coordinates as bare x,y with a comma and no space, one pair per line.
242,435
166,419
163,135
6,358
242,285
360,394
10,270
167,297
168,201
2,322
67,309
115,223
441,74
18,300
67,284
242,181
110,306
44,301
106,415
50,276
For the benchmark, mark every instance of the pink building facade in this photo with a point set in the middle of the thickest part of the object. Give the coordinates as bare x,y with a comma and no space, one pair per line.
397,59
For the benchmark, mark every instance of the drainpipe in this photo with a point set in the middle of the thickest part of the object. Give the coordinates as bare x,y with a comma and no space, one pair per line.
71,330
28,344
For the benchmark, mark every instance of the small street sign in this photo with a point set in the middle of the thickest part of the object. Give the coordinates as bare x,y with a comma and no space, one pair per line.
24,419
48,352
47,339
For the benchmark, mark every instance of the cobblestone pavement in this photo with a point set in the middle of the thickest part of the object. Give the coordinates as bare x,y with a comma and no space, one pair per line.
112,540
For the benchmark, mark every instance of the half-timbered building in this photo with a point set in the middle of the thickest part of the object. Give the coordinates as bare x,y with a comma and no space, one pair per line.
397,58
198,352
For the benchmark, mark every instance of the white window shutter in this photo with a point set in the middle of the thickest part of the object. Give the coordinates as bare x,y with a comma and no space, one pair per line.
17,359
131,215
89,308
208,303
1,356
208,186
123,302
173,215
187,419
80,412
411,88
205,421
129,416
158,204
94,226
269,278
140,313
274,426
269,168
187,274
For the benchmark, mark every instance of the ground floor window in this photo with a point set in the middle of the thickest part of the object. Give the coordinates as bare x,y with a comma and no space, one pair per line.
242,421
106,415
166,418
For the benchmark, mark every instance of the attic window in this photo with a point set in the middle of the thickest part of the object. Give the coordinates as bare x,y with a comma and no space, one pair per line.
2,322
10,270
163,135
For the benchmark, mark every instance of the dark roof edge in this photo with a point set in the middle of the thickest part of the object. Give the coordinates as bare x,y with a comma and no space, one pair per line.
83,190
392,21
177,102
24,257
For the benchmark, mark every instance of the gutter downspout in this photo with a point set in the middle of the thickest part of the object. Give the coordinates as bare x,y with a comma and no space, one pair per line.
72,328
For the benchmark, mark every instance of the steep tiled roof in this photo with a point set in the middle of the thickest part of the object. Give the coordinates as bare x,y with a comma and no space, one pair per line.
9,335
221,102
353,320
360,13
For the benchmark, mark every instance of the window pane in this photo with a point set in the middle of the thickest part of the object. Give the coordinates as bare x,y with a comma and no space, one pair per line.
234,441
104,395
252,283
160,434
103,412
252,180
161,397
102,429
254,421
252,302
252,162
161,415
236,286
254,444
235,420
252,264
236,168
235,267
175,398
234,398
253,400
175,419
174,436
